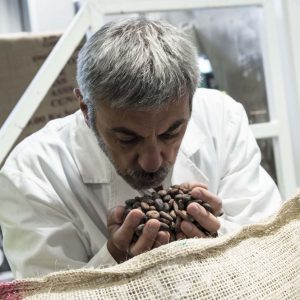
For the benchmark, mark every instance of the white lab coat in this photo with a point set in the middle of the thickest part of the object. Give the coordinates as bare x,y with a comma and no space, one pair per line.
57,185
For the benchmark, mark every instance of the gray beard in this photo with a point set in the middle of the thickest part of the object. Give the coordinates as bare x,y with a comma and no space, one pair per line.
138,179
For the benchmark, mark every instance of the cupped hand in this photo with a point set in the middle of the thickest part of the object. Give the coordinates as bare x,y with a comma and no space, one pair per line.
206,219
121,232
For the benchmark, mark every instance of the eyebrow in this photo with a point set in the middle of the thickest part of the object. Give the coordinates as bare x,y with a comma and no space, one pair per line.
127,131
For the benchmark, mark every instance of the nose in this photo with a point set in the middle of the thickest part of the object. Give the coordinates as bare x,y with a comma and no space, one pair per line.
150,157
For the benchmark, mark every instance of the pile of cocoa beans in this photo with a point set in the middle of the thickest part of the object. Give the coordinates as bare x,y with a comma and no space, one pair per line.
169,207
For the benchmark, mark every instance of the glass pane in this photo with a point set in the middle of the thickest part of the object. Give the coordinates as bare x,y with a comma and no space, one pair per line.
267,157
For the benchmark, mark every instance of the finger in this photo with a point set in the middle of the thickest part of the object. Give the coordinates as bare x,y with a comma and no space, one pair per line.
147,238
192,185
208,197
115,218
162,238
123,236
207,220
191,231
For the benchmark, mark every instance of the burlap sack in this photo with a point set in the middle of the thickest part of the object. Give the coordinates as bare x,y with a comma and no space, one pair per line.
260,261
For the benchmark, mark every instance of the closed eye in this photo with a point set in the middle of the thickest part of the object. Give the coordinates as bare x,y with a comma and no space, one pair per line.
168,136
129,140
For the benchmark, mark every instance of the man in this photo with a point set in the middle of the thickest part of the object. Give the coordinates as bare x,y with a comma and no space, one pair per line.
141,124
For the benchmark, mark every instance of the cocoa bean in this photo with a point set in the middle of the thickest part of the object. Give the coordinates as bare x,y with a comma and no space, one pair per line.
139,229
164,227
144,219
162,193
171,201
167,198
136,205
182,214
175,206
166,207
186,198
152,214
185,191
159,204
175,186
173,214
199,201
174,191
166,216
163,220
149,201
207,207
181,206
155,195
178,197
130,202
145,206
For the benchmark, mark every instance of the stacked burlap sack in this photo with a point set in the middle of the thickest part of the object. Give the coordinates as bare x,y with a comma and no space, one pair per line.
260,261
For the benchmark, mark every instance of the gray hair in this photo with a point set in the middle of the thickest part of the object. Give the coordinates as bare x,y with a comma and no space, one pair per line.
137,63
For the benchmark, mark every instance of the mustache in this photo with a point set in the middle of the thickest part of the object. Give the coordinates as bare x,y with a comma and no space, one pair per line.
143,175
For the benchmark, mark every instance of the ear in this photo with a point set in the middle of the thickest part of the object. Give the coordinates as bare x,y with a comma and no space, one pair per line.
82,104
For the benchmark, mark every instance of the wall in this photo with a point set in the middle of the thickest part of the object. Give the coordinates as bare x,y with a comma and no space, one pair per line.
10,18
50,15
292,14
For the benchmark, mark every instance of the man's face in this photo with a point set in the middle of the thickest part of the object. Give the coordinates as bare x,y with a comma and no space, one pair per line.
142,144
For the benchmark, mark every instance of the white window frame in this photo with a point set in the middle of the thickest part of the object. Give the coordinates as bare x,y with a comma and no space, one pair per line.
90,18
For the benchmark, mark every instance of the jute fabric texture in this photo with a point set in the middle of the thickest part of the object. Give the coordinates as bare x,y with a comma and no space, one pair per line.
260,261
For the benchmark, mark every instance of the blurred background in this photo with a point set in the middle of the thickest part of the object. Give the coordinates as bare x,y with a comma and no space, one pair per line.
233,54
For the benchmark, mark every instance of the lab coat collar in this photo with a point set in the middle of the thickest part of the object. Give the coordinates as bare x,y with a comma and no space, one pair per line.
92,163
185,166
193,138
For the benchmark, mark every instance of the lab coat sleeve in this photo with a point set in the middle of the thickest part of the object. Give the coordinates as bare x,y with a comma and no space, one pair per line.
38,235
247,191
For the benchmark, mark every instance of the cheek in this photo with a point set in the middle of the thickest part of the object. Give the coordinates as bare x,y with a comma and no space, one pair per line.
122,157
170,152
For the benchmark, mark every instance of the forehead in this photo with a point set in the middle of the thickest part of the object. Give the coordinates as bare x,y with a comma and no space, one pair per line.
142,120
